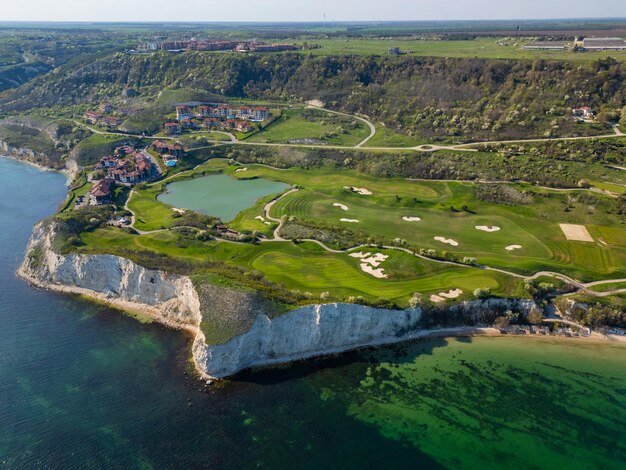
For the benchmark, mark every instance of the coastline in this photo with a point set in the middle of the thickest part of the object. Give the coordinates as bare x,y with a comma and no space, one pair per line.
198,338
69,175
132,308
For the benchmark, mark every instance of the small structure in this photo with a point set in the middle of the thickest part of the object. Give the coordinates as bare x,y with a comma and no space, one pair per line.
604,44
106,108
173,128
166,148
110,122
584,113
183,112
394,51
548,46
92,118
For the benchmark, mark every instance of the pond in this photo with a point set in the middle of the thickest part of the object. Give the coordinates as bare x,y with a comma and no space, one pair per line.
219,195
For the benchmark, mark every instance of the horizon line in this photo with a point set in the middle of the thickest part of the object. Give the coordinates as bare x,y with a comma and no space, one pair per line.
332,21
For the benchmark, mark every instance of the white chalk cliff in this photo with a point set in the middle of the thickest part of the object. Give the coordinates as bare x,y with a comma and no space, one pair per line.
173,300
311,331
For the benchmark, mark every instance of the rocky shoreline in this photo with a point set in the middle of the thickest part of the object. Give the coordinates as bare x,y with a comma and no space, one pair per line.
308,332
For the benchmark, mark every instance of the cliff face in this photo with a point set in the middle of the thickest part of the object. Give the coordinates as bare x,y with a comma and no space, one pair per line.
308,332
168,298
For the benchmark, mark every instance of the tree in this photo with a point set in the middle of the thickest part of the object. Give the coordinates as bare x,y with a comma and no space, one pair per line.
482,293
535,316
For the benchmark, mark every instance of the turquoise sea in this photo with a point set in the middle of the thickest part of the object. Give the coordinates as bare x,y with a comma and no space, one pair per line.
83,386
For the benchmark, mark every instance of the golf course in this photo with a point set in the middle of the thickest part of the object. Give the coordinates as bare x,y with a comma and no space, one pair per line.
343,235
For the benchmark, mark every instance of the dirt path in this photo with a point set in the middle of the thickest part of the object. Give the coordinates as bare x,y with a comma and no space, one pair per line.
363,119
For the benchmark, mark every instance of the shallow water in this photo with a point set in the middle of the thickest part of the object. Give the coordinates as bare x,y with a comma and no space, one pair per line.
219,195
82,386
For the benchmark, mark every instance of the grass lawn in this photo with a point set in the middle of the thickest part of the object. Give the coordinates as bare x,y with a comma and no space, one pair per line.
611,187
386,137
609,287
319,126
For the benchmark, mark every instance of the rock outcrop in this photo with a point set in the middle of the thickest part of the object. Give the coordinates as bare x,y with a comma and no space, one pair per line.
168,298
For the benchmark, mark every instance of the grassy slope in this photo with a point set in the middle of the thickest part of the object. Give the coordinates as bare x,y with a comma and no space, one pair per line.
292,125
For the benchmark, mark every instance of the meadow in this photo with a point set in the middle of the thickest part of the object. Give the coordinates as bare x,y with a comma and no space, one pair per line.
484,48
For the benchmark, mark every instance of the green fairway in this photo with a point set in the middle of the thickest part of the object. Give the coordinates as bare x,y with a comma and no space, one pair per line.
314,126
440,208
308,269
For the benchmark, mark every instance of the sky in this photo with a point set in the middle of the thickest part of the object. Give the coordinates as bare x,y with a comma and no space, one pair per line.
304,10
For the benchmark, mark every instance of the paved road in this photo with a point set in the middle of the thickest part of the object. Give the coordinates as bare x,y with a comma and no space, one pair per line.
467,147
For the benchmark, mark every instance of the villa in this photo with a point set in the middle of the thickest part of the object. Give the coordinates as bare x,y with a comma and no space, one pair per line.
118,168
183,112
101,192
165,148
92,118
172,128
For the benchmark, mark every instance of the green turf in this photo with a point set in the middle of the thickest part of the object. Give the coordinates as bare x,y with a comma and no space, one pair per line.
326,128
386,137
439,205
307,268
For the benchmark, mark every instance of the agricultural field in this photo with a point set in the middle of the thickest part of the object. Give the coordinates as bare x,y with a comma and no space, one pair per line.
484,48
313,126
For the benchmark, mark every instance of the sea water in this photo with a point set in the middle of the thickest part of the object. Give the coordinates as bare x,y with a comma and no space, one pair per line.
83,386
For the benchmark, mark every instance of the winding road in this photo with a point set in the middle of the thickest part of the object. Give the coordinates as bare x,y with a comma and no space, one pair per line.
426,148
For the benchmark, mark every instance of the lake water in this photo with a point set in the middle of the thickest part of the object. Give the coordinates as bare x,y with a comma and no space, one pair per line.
82,386
219,195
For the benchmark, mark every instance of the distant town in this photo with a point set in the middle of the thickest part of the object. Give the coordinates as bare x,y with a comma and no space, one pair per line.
212,45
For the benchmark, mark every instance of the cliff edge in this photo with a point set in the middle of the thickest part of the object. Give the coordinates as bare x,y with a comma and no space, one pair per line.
311,331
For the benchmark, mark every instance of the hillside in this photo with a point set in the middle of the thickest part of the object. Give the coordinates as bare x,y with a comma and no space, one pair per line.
434,99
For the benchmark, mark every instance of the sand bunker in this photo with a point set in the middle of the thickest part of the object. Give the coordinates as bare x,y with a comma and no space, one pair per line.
341,206
262,219
179,211
411,219
349,221
370,264
485,228
239,170
448,241
361,191
442,296
576,233
513,247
